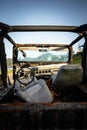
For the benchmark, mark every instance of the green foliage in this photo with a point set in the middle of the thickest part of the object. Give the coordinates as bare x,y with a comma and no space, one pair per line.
76,59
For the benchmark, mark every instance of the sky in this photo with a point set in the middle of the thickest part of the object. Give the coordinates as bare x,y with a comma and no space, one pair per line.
43,12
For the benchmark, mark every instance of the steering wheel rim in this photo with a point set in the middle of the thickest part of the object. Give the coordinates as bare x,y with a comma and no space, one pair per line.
26,75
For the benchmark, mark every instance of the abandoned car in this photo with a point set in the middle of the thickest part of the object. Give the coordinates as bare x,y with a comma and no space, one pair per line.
45,89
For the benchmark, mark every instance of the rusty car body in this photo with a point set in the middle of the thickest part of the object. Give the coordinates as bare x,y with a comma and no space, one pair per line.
67,109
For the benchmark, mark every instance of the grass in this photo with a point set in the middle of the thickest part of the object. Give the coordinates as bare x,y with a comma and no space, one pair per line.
76,59
10,71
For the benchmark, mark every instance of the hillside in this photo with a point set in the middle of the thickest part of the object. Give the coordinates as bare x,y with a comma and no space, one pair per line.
76,59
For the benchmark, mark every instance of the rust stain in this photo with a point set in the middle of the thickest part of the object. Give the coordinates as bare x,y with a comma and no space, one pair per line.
42,106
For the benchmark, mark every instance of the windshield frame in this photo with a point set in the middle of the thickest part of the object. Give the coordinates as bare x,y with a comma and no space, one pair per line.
15,49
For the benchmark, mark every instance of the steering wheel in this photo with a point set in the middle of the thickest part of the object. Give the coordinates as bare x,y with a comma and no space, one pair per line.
25,75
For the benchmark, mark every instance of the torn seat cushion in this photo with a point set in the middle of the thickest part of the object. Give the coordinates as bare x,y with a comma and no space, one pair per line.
67,78
37,93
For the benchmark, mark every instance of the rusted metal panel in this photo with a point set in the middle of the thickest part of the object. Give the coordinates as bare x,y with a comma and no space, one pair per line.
42,106
43,116
41,45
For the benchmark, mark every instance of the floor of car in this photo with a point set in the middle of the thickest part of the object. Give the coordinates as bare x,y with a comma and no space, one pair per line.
77,95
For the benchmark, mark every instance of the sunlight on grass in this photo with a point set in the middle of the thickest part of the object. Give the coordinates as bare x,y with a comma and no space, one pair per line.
9,71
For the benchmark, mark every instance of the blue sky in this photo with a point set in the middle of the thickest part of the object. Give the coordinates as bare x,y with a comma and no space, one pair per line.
43,12
59,12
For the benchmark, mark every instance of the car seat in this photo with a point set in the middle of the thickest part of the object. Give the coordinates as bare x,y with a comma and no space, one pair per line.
67,77
36,92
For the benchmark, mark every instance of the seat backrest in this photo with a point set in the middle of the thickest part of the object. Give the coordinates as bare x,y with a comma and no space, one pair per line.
68,76
38,93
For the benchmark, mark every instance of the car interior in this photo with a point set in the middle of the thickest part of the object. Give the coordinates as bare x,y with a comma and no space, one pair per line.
43,73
